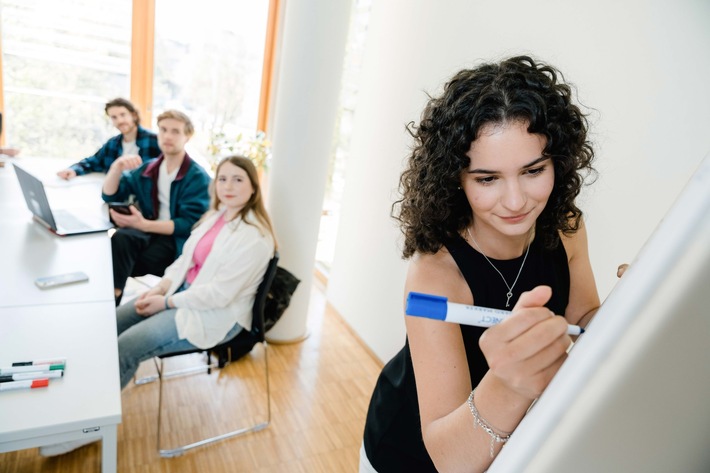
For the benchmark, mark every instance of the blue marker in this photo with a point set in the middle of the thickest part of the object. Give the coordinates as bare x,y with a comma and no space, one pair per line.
439,308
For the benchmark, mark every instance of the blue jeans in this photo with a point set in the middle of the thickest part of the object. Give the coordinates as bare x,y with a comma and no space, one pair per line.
141,338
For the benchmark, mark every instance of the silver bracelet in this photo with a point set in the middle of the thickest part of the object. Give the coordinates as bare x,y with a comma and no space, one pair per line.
497,436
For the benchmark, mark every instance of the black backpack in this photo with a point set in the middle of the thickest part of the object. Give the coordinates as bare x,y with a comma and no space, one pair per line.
277,300
279,297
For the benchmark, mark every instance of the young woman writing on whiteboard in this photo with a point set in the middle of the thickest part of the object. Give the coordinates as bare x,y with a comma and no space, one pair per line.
489,218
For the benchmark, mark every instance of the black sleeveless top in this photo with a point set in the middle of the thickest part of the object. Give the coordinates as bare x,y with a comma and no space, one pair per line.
393,438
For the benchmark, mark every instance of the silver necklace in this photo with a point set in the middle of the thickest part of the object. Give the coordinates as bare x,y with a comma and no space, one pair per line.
510,287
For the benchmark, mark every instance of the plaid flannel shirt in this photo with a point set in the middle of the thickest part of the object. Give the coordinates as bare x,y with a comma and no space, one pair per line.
147,143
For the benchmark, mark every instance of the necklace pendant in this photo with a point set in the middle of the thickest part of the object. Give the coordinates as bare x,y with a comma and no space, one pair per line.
509,295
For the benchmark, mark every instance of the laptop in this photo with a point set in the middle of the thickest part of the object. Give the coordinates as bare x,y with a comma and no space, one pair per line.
60,222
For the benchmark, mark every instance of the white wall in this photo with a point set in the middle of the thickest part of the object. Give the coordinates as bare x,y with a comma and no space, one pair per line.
643,66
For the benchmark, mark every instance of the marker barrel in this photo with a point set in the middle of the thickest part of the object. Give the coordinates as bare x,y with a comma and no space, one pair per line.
475,315
29,384
31,375
439,308
30,368
55,361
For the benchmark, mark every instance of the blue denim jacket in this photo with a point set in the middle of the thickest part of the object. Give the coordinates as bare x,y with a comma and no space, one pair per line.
189,194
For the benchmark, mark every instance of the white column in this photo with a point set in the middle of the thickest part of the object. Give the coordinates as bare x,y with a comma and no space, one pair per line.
309,75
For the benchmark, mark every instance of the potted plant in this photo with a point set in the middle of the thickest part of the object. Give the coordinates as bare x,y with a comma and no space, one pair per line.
253,146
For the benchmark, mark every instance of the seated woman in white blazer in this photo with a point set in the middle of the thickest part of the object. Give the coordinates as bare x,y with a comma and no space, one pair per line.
206,295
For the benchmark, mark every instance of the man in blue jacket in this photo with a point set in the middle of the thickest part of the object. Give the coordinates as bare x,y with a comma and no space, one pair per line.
134,140
171,193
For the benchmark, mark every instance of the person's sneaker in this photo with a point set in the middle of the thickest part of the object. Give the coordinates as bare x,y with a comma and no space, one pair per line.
64,447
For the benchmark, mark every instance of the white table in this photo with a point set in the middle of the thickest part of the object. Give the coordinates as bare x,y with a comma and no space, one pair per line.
86,402
82,192
76,322
30,251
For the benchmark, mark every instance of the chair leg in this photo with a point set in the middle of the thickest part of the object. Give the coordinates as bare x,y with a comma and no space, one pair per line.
171,374
148,379
268,385
174,452
160,399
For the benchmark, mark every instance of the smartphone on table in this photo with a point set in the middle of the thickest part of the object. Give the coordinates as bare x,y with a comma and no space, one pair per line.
61,280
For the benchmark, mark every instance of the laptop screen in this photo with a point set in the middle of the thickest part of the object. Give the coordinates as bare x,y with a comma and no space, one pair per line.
35,196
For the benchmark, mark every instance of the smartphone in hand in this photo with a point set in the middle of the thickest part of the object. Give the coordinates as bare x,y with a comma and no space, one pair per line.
61,280
120,207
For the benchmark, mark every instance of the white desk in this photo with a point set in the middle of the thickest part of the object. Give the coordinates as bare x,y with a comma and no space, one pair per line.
30,251
83,191
76,322
86,402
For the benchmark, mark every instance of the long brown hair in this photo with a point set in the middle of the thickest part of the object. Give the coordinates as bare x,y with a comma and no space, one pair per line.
255,203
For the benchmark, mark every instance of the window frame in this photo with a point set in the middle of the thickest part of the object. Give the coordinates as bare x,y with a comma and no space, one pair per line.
142,62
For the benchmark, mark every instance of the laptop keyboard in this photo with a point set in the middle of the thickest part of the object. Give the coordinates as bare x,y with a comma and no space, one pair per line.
69,222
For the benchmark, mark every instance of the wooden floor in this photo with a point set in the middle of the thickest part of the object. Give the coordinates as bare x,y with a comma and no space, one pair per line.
320,391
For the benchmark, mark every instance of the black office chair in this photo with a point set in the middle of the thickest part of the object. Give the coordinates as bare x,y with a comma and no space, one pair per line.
226,352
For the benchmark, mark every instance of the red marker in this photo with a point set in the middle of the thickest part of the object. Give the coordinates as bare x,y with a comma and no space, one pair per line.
29,384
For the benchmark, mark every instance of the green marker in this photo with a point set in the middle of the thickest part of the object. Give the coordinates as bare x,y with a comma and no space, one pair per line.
30,368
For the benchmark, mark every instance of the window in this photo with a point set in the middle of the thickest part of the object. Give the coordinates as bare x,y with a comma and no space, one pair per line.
61,60
208,64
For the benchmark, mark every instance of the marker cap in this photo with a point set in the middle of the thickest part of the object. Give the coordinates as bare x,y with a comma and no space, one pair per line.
426,305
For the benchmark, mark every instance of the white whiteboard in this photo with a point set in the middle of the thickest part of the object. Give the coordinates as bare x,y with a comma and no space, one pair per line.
634,394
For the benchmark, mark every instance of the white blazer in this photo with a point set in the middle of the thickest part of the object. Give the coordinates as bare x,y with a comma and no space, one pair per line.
223,292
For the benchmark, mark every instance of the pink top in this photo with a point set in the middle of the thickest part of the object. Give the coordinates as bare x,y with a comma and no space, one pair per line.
203,248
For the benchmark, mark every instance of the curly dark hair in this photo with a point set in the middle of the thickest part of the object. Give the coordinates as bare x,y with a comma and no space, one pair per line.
433,208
